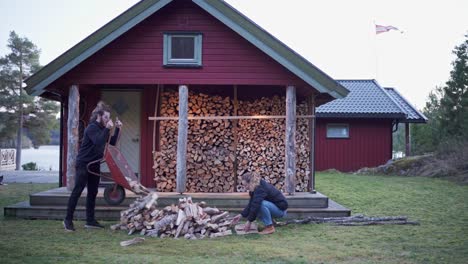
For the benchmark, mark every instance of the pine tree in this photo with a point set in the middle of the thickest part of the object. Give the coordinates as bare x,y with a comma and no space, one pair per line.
18,109
454,103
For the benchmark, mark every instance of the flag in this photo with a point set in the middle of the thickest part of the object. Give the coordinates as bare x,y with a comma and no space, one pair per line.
382,29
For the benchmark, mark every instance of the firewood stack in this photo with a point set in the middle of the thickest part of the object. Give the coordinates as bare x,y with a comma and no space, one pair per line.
261,142
188,219
211,150
210,147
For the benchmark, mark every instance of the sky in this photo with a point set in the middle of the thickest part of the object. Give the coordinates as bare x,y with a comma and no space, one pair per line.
337,36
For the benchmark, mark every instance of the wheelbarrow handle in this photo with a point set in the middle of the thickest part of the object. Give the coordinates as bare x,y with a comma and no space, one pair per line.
93,162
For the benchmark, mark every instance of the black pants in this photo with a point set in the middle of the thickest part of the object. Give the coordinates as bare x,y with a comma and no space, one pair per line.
83,178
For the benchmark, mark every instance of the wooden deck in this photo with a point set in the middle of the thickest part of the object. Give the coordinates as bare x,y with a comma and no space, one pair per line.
52,204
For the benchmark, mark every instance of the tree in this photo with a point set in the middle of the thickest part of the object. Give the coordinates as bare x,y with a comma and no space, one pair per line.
454,103
427,138
447,109
18,109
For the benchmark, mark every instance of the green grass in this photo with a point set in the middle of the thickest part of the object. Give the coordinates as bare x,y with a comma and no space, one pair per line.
440,206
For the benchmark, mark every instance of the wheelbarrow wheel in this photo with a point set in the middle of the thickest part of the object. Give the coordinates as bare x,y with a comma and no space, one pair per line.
114,194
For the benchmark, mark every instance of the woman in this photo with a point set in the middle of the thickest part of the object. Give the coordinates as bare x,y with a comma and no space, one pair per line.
266,202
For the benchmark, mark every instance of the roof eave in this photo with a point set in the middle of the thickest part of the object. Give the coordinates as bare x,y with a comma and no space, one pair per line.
91,44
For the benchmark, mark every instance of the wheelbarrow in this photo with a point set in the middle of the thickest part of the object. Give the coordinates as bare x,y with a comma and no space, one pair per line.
121,173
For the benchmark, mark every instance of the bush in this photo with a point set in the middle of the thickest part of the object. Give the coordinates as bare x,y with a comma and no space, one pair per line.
30,166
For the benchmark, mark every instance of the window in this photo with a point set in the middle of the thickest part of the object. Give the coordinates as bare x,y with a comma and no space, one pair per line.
337,131
183,49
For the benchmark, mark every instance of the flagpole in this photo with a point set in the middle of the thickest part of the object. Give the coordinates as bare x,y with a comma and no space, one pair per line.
374,33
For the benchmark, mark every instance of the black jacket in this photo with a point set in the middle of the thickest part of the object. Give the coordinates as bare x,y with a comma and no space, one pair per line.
264,191
94,141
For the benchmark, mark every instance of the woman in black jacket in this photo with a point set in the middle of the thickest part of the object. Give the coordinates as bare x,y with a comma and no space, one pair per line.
265,203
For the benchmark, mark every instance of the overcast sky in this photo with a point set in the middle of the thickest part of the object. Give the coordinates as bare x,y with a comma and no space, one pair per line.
336,36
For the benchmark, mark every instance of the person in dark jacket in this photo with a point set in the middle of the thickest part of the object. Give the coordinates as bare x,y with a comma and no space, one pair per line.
266,202
92,148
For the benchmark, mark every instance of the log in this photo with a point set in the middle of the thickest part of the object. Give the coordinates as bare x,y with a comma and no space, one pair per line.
72,134
353,220
290,141
182,139
240,229
221,234
133,241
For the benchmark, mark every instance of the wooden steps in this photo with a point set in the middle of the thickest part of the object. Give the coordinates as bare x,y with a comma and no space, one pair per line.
52,204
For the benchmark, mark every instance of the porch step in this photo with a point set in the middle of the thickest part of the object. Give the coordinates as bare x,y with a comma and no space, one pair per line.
59,197
27,211
52,204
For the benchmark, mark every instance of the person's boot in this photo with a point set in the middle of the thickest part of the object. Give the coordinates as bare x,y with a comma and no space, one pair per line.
93,225
68,225
268,230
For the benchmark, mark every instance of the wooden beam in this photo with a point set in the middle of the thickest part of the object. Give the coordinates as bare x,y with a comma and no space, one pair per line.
290,140
407,140
182,139
311,111
236,137
72,134
166,118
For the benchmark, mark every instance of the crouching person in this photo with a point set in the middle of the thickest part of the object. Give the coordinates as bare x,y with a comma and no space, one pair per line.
266,203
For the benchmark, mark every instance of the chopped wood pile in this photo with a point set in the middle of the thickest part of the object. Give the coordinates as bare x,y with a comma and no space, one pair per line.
187,219
215,160
355,220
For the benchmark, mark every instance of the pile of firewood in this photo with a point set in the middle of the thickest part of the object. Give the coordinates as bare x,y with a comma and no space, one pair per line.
187,219
261,142
212,153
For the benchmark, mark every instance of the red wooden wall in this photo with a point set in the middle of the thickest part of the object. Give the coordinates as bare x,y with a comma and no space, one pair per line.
136,57
369,145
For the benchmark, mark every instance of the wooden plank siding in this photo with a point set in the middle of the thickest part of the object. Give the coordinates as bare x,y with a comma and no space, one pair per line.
369,145
137,56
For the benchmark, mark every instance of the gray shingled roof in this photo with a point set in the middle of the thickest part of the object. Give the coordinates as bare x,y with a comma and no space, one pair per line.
413,115
367,99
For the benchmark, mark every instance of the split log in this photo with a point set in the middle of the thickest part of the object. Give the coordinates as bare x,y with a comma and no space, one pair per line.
240,229
221,234
134,241
186,219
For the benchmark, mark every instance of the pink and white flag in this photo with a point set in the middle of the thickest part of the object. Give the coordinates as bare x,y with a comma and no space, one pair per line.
382,29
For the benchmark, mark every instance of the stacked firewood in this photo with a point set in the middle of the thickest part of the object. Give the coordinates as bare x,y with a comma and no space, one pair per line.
187,219
261,142
212,152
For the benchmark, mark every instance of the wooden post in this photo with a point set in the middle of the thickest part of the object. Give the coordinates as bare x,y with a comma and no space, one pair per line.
72,134
182,139
407,140
290,141
311,111
236,138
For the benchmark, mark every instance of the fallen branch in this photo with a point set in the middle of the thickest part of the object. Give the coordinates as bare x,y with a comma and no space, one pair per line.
356,220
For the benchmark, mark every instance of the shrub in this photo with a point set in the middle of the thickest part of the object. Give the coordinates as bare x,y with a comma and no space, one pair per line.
30,166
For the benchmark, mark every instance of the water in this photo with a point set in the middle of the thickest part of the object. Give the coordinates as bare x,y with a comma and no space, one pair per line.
46,157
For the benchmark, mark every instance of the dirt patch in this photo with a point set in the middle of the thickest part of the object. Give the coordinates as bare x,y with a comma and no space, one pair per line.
452,167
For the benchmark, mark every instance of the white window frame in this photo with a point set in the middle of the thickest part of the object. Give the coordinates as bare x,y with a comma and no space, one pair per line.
337,125
168,61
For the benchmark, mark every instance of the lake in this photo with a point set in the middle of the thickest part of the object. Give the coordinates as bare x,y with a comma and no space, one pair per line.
46,157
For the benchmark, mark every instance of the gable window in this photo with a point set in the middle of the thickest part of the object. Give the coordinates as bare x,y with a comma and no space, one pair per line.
337,131
182,49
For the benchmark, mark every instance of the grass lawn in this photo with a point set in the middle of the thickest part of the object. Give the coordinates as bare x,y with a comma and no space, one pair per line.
440,206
